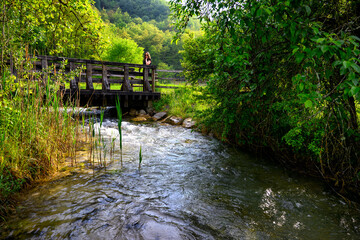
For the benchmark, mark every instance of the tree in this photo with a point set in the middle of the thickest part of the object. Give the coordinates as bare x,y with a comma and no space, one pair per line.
124,50
285,76
69,28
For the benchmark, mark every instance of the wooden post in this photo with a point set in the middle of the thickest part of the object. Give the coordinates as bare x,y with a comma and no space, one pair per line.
105,83
44,65
153,72
72,81
89,83
126,84
146,81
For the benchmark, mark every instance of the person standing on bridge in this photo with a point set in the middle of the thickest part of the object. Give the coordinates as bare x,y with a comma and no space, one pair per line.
147,59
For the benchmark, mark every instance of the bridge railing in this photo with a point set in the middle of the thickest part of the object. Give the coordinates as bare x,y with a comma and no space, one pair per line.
99,74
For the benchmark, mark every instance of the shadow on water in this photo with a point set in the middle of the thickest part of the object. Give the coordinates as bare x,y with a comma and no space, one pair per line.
189,187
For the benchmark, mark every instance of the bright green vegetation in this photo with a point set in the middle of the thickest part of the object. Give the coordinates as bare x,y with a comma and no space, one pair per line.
135,26
185,101
284,76
35,134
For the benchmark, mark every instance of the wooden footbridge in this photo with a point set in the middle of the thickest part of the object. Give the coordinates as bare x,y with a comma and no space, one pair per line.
98,83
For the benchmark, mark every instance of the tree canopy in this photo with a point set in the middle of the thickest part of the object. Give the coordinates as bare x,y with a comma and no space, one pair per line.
69,28
145,9
284,75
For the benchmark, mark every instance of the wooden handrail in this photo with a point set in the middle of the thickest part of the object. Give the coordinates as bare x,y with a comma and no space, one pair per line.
110,73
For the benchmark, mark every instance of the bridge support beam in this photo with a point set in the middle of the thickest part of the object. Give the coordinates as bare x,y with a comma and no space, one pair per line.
73,85
89,83
105,83
146,80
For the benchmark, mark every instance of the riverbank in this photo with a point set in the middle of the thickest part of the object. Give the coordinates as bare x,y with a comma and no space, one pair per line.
192,101
36,135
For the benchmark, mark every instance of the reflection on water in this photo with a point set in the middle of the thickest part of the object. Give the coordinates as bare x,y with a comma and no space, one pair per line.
190,187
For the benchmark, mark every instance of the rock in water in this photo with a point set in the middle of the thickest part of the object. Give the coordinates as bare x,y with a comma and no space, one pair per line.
139,119
159,116
174,120
133,112
188,123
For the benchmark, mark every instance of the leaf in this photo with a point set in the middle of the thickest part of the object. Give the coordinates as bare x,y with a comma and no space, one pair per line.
336,63
308,103
301,86
354,90
308,9
319,40
299,57
295,50
324,48
355,38
346,64
339,43
263,39
355,67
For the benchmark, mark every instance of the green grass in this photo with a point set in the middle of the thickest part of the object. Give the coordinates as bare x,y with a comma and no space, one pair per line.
137,88
185,101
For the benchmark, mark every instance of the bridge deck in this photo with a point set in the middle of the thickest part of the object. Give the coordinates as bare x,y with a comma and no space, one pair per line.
97,82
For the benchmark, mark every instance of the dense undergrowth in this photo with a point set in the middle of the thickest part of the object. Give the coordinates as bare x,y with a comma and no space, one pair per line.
36,131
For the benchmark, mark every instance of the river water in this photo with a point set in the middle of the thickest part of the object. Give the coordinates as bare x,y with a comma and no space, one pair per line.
190,186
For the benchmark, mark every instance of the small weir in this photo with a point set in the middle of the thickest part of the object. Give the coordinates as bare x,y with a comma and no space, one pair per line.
190,186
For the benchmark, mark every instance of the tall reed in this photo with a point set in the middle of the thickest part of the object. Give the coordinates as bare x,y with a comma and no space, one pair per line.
35,135
140,158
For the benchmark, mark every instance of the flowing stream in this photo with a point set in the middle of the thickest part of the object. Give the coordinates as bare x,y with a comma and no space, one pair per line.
190,186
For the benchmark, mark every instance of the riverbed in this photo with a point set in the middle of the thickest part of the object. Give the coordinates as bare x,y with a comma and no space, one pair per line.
189,186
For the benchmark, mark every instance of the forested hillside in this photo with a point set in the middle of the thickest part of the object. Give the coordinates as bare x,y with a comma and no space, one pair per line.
147,25
144,9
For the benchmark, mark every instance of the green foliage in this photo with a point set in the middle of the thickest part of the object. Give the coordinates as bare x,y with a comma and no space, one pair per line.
197,58
154,36
69,28
124,50
284,75
35,134
184,101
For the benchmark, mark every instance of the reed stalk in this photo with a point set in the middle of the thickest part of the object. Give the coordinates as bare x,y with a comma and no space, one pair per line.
119,116
35,135
140,158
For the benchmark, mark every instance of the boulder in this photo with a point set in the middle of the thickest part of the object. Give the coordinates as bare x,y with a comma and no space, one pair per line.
174,120
142,112
150,111
139,119
188,123
133,112
158,116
